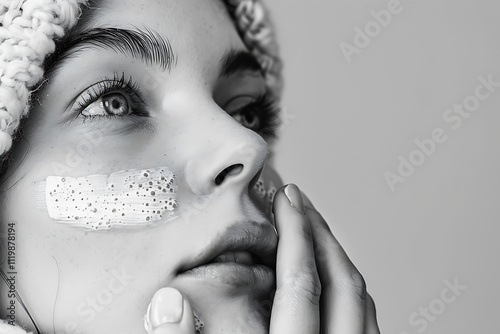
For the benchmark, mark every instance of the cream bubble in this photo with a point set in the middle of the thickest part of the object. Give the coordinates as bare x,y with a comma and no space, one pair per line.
125,198
266,193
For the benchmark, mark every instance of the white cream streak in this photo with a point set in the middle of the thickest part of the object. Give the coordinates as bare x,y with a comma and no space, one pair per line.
125,198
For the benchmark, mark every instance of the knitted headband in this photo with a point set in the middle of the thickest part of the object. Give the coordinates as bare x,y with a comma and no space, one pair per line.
28,29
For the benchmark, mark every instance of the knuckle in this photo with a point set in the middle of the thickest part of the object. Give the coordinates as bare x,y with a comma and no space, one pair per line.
353,284
301,286
370,304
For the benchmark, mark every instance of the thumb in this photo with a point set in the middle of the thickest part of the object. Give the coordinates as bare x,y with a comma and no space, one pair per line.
169,313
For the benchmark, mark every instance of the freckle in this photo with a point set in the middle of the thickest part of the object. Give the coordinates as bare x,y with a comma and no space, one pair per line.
153,193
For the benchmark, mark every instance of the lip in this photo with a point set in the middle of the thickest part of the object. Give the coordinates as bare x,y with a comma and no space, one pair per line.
233,275
256,242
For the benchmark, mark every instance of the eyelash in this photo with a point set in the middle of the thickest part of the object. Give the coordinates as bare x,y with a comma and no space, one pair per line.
107,86
263,107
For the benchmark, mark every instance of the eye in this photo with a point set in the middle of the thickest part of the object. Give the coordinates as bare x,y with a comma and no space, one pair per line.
244,111
115,104
248,119
255,113
113,97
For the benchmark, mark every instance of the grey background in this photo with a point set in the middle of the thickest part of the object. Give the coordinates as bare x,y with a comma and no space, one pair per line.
347,124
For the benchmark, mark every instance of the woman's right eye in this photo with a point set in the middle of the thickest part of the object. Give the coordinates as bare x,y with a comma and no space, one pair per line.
110,98
114,104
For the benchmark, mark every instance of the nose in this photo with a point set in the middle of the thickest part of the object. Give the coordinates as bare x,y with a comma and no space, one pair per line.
227,155
227,161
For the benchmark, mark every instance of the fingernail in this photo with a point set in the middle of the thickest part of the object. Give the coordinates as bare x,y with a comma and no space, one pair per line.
147,325
167,307
294,196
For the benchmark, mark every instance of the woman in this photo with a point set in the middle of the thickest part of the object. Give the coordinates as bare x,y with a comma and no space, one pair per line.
140,178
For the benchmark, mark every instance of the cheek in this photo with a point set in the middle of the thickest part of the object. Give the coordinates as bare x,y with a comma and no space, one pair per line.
125,198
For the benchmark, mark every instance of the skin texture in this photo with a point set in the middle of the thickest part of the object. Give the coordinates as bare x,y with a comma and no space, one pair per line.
78,281
63,270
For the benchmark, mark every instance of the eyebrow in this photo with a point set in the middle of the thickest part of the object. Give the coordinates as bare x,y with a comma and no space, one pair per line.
236,61
145,45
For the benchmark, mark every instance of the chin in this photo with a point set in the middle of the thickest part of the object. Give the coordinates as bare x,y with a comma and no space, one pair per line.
242,312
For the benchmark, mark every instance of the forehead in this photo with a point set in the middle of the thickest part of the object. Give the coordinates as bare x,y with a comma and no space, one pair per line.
157,11
190,26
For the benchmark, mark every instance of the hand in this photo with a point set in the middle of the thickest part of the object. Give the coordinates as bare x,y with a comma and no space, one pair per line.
319,290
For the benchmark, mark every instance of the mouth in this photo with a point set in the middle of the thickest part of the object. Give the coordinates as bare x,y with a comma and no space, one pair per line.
243,256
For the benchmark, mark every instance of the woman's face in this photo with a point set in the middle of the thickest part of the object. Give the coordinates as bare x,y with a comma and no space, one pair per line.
158,89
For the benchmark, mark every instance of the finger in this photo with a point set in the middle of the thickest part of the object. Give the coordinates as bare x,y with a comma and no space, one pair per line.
371,325
298,289
343,300
169,313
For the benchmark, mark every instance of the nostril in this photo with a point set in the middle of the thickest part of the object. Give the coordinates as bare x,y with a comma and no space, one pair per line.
231,170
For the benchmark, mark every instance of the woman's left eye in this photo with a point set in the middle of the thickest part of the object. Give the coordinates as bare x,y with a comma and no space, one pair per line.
114,104
248,119
255,113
